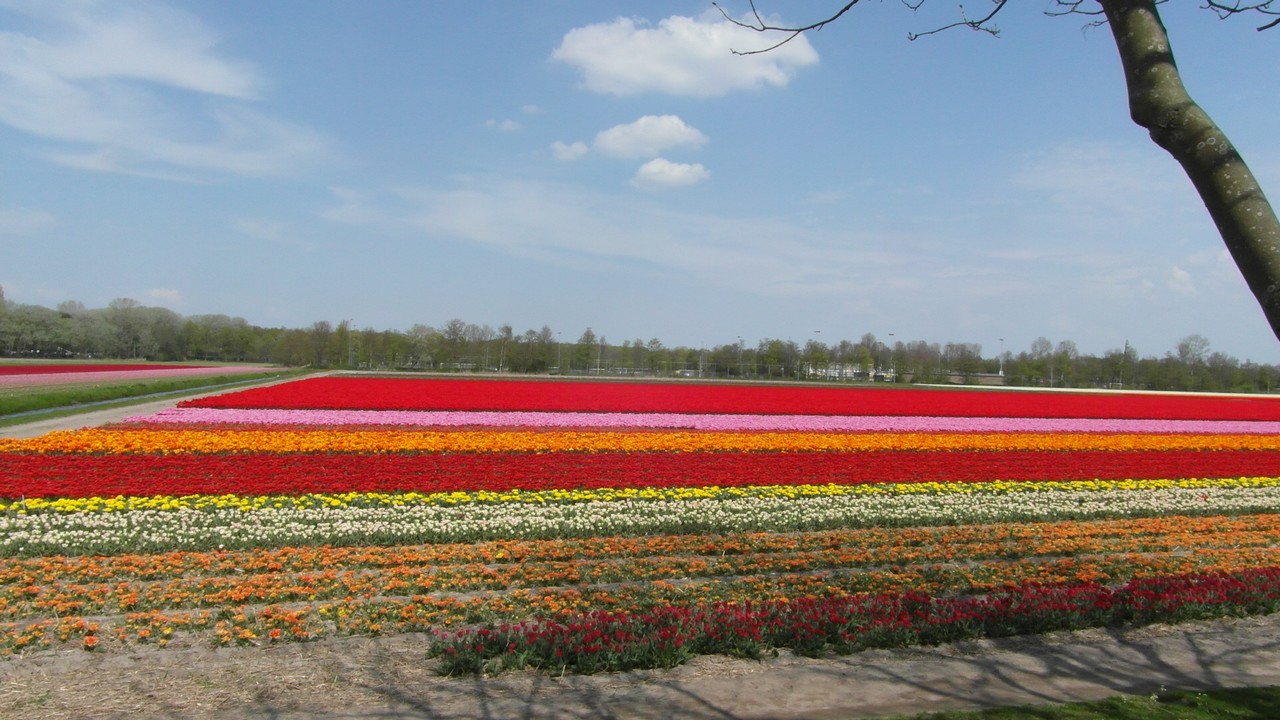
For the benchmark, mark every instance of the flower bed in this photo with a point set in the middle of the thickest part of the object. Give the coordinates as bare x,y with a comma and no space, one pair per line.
30,376
602,526
338,393
60,368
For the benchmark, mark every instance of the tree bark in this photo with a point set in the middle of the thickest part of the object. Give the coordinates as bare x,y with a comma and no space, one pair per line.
1159,103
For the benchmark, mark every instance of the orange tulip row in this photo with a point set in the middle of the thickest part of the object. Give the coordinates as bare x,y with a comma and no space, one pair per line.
255,618
171,442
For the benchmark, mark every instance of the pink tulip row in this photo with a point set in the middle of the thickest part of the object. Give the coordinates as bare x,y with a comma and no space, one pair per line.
158,372
824,423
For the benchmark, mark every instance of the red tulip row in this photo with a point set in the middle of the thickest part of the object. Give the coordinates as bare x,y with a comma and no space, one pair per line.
30,475
342,393
665,636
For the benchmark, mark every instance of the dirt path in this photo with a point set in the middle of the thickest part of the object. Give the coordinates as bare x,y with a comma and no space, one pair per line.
389,678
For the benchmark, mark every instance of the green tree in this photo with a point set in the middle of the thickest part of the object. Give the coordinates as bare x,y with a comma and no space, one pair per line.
129,337
1160,104
321,332
585,351
964,358
1062,372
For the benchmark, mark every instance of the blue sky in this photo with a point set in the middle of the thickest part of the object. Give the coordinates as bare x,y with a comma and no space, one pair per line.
613,165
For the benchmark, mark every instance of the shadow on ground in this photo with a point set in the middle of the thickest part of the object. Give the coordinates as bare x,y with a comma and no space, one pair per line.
390,678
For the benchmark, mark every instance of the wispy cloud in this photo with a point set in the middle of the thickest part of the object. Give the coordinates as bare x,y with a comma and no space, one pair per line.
678,56
568,151
272,231
1103,184
24,221
568,227
168,297
1180,282
104,85
506,126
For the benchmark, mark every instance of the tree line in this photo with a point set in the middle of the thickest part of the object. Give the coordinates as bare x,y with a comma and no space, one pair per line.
126,329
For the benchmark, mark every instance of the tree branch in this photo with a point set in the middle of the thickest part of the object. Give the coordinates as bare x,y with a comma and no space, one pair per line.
979,25
1222,8
792,32
1225,10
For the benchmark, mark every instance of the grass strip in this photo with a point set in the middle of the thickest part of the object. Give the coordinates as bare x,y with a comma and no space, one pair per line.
72,399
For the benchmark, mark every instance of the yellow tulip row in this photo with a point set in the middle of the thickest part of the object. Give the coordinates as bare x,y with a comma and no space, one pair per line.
250,503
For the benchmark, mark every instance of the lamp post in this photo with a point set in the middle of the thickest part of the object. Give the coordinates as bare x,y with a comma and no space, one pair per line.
817,340
351,352
1001,357
893,361
559,355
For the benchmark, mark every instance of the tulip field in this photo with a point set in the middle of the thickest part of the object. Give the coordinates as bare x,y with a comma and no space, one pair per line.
605,525
13,377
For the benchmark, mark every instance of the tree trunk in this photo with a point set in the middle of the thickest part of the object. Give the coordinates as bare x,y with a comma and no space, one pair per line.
1159,102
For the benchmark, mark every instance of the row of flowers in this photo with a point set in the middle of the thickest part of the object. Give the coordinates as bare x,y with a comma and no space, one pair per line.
208,440
694,421
19,376
63,368
666,636
348,393
75,476
873,561
304,501
847,545
247,622
401,520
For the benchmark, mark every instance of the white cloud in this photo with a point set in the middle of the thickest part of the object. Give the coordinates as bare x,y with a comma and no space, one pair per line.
23,221
662,173
505,126
680,56
531,110
566,152
166,296
648,136
1181,283
105,84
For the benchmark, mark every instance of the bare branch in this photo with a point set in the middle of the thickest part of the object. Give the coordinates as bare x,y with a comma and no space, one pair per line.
1225,10
979,25
1072,7
1222,8
791,32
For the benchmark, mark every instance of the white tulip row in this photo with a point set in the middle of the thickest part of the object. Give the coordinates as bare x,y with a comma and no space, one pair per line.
189,529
